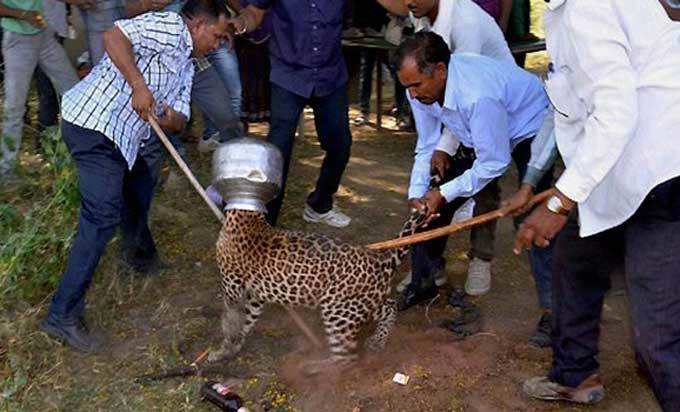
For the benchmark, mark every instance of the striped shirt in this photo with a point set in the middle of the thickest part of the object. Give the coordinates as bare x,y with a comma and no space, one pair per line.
162,47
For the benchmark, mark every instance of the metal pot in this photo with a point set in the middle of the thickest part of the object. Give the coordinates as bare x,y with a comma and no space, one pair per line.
247,173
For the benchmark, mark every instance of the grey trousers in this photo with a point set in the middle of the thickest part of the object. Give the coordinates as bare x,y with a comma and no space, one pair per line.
22,54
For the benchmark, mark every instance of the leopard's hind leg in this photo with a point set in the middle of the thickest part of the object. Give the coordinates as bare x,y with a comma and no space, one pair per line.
233,317
385,317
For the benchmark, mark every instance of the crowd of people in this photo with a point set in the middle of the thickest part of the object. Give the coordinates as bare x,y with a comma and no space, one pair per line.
608,108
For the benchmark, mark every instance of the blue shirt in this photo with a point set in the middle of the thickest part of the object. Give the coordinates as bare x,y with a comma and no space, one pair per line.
491,106
305,48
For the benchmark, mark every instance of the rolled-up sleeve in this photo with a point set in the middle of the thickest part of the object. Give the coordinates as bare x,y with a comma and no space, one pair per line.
429,132
543,151
603,53
151,33
490,138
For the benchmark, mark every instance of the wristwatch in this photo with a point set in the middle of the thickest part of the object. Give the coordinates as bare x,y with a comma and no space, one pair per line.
556,206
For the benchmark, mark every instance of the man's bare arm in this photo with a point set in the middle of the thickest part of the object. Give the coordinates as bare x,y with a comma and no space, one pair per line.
34,18
395,7
119,49
506,8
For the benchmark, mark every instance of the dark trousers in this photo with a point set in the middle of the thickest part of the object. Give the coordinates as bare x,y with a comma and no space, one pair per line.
368,59
426,257
111,195
647,246
332,126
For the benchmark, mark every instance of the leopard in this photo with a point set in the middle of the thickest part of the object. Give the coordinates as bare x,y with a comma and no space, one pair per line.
349,284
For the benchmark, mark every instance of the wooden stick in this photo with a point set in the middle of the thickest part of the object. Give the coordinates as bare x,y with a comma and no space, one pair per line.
455,227
220,216
187,172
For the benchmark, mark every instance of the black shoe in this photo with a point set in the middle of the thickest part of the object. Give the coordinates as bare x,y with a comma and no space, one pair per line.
152,267
542,337
75,335
413,296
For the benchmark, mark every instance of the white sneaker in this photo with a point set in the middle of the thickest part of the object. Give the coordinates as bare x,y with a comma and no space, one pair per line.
479,277
440,279
210,144
333,217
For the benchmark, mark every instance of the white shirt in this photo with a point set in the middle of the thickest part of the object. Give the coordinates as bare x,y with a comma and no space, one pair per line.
466,28
615,74
162,47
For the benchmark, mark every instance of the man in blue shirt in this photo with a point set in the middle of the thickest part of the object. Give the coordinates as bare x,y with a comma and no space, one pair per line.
491,106
307,67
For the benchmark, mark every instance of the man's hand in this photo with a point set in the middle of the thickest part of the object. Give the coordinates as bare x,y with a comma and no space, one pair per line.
142,100
433,201
83,4
440,163
155,5
33,18
171,121
538,229
518,204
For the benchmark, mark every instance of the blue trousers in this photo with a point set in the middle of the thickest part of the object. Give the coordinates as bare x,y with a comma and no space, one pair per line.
646,245
225,64
111,196
332,126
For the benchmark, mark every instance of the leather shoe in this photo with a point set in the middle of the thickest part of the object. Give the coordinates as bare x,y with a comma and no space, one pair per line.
76,334
414,296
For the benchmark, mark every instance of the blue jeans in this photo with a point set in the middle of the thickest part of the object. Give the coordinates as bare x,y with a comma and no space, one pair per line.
111,196
225,63
646,246
97,21
332,126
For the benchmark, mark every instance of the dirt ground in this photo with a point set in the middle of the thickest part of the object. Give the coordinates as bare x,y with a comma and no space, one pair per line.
159,322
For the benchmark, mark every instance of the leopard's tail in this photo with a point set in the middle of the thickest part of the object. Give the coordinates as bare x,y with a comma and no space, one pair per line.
397,255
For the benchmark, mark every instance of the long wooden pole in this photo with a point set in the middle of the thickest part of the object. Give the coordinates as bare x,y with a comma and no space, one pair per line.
455,227
220,216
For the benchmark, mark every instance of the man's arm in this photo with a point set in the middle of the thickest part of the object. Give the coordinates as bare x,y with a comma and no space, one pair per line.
489,129
248,19
119,49
32,17
136,7
602,52
543,151
395,7
428,128
503,21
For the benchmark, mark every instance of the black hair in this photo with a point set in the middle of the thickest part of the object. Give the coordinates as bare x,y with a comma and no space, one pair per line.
208,8
427,48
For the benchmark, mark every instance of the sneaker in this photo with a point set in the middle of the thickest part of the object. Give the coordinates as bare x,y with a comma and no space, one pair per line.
210,144
541,338
360,120
589,391
479,277
440,279
333,217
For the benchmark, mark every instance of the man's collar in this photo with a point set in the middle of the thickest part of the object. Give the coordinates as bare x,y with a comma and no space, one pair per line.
554,4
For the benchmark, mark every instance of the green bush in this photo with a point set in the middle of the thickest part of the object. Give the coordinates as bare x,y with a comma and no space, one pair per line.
34,243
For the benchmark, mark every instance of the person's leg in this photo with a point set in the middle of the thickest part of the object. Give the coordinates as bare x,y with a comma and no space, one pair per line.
285,113
581,268
97,21
100,168
332,126
48,104
366,66
138,248
653,278
215,103
225,63
56,64
21,57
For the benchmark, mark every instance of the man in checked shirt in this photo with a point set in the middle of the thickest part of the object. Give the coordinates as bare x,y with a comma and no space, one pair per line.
147,71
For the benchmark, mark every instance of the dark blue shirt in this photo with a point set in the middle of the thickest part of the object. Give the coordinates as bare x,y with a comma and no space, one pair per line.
305,47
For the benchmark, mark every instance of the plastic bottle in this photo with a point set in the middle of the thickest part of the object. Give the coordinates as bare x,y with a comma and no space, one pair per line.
222,396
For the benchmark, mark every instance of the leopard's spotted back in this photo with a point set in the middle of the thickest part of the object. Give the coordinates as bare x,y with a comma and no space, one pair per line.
260,264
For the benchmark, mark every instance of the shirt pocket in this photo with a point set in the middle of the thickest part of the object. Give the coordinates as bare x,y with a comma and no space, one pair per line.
331,10
564,99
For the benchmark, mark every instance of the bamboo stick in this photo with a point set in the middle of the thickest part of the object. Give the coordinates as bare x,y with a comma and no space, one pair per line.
455,227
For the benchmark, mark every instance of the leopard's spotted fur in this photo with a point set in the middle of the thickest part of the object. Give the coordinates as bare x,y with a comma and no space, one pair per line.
261,264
